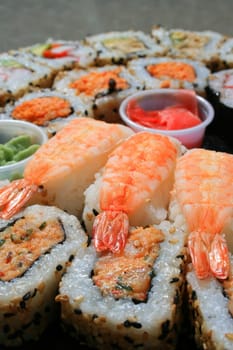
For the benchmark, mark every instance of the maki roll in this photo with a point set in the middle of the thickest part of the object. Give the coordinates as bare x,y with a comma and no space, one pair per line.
127,300
48,109
119,47
211,311
36,246
61,54
102,89
195,45
220,94
19,74
165,72
226,54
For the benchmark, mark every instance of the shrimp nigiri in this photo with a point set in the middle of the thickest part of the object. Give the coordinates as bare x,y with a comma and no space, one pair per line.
203,192
64,167
133,189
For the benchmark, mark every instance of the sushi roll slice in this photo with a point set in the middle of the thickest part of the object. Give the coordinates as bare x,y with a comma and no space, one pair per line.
220,94
165,72
48,109
226,54
19,74
36,246
62,54
195,45
130,300
119,46
211,311
100,88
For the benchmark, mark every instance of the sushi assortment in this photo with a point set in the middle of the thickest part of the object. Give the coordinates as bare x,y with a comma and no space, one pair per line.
113,233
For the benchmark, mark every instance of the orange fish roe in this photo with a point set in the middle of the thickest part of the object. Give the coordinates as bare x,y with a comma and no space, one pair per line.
96,82
42,109
174,70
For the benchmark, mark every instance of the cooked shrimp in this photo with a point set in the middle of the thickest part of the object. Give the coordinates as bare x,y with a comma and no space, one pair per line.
62,168
134,190
203,189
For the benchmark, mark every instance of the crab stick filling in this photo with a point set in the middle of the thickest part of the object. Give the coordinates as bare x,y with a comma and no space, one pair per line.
173,70
25,241
97,82
129,273
40,110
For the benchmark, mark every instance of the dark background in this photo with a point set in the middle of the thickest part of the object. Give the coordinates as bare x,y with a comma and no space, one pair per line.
26,22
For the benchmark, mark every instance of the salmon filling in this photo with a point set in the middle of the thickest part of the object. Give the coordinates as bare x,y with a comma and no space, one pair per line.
42,109
173,70
95,83
24,242
129,273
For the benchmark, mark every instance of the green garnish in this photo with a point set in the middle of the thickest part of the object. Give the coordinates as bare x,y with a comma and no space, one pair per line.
10,63
42,226
121,285
2,241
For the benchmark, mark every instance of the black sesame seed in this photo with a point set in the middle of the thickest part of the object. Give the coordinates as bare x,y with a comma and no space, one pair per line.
128,324
27,296
176,298
78,311
86,112
95,212
22,304
34,293
194,295
71,258
180,256
174,279
94,316
59,267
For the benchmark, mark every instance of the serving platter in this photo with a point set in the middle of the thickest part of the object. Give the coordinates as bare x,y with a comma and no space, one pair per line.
55,335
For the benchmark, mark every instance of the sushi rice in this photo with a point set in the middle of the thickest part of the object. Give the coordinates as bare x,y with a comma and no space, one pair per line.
27,304
103,322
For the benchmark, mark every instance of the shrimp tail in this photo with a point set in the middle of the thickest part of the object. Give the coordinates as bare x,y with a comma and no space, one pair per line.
110,231
209,255
14,196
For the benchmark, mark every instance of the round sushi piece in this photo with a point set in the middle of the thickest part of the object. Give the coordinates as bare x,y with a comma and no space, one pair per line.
195,45
119,46
19,74
62,54
127,301
226,54
51,110
220,94
166,72
36,247
100,88
211,311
